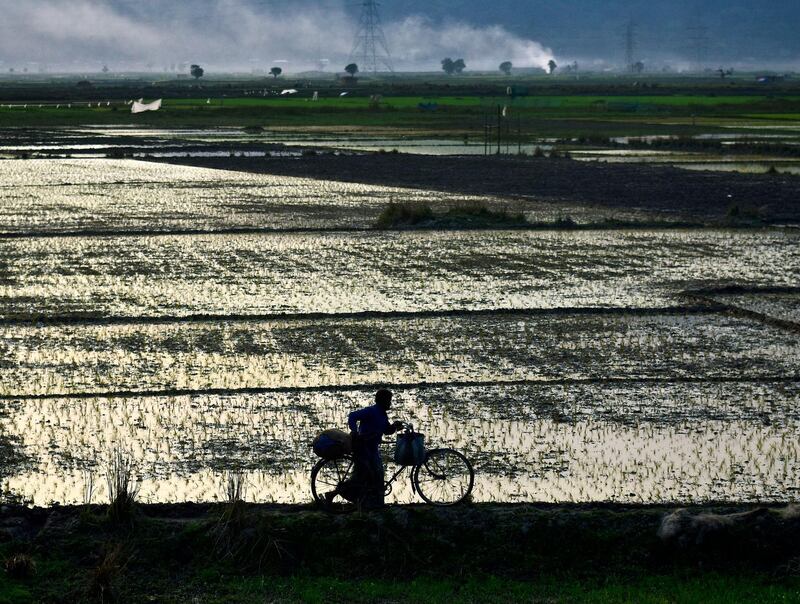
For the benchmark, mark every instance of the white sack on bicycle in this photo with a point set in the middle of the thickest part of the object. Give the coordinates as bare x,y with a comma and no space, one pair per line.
332,444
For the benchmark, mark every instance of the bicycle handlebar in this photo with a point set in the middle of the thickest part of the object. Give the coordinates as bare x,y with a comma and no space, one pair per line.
407,427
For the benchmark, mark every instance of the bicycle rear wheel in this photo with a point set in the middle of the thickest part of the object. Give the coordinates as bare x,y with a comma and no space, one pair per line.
445,477
329,477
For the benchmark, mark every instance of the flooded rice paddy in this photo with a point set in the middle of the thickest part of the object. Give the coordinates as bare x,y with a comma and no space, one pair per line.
75,359
634,442
257,274
568,365
58,196
143,143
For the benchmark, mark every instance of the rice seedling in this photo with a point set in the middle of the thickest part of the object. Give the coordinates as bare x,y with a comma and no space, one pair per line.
88,487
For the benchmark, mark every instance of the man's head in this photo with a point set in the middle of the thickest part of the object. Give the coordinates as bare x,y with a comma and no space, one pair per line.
383,398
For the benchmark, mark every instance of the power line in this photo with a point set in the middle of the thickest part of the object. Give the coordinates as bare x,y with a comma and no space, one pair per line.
370,47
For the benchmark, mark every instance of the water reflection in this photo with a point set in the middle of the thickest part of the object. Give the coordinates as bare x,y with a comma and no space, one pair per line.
634,442
341,273
75,359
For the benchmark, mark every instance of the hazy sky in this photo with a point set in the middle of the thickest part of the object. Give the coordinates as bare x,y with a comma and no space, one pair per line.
248,34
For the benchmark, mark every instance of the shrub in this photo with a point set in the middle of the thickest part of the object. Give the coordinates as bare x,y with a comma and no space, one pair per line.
20,566
101,579
404,214
484,213
465,215
566,222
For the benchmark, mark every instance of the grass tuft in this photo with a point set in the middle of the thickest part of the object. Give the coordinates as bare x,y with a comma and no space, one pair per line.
122,487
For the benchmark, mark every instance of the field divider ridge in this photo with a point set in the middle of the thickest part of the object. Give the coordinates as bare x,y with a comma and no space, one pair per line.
332,230
179,392
127,233
706,308
707,297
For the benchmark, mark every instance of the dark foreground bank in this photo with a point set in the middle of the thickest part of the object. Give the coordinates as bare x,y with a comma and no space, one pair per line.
479,553
711,197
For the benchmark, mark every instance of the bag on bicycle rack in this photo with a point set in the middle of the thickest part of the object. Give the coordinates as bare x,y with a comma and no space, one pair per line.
332,444
410,449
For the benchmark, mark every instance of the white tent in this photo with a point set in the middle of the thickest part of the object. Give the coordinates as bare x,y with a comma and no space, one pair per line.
140,107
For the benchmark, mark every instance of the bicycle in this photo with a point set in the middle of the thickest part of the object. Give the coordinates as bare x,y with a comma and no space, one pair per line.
445,478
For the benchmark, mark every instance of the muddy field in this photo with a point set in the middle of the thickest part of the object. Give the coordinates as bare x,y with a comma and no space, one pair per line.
665,191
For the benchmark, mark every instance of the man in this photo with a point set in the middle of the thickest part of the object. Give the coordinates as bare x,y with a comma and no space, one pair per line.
367,428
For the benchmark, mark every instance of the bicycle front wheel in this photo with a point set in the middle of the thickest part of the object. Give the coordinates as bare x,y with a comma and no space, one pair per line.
445,478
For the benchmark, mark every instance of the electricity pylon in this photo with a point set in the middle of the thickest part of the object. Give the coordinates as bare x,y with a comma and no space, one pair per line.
698,40
370,49
630,45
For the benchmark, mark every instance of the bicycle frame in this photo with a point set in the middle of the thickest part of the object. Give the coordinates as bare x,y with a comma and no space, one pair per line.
387,484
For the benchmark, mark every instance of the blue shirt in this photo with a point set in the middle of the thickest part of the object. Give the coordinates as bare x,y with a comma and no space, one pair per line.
371,423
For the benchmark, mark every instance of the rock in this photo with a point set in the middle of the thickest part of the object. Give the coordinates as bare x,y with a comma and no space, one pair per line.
741,534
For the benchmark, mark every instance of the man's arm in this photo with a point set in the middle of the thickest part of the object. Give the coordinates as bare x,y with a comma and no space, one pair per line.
354,418
392,428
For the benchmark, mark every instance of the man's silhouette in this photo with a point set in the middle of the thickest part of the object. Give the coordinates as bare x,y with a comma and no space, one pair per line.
367,428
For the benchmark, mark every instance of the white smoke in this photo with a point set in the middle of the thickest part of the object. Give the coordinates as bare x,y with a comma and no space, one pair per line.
420,43
233,34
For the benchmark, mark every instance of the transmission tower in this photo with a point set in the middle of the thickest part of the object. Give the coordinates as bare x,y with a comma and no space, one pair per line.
630,45
370,49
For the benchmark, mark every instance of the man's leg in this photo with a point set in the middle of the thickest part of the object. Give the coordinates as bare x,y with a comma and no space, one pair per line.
379,480
375,485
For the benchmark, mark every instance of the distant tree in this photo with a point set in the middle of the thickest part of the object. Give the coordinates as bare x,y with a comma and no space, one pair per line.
724,73
196,71
105,69
637,67
551,66
276,71
459,65
352,69
506,67
571,68
447,66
